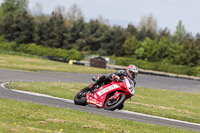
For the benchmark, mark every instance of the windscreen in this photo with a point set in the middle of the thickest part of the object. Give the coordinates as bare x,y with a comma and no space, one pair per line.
130,85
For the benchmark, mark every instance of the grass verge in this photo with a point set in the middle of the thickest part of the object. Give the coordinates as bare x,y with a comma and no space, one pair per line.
26,117
33,63
165,103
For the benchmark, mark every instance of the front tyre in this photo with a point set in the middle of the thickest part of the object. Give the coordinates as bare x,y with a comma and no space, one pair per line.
112,104
80,97
121,107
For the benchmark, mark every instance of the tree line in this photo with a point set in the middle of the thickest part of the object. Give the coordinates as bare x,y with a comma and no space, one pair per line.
70,30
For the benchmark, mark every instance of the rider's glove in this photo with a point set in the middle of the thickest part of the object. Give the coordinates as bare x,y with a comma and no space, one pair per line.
91,86
116,78
102,78
111,76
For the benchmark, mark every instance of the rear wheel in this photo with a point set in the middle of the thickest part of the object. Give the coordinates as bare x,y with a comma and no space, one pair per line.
112,104
80,97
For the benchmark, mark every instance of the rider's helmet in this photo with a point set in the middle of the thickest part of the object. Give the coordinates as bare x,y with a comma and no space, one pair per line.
132,71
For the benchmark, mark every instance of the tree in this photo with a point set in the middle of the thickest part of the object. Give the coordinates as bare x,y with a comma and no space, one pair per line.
14,6
24,28
112,41
93,33
19,28
102,20
197,41
76,32
60,10
180,32
148,22
173,54
38,15
54,32
130,45
163,33
147,27
131,29
189,54
1,22
37,9
9,27
74,14
163,45
76,27
149,50
145,33
39,32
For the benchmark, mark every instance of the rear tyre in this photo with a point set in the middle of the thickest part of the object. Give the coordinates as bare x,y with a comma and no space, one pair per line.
80,97
112,104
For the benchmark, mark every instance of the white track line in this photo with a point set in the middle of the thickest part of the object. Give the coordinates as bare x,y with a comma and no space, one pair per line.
3,85
36,94
158,117
122,111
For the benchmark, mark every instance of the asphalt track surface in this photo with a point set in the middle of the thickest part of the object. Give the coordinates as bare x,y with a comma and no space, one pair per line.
142,80
150,81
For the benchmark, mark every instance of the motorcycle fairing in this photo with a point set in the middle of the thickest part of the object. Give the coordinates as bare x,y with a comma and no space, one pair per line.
117,94
107,89
99,97
130,86
96,100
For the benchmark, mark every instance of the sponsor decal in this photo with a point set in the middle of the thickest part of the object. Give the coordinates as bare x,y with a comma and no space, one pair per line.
99,104
93,101
107,89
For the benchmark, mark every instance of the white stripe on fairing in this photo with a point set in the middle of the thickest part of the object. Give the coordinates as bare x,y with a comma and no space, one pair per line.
122,111
36,94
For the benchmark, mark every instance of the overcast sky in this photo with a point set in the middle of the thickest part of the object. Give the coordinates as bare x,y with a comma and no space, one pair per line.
122,12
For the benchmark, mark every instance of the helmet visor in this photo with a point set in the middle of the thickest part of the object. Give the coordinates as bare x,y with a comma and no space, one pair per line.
133,74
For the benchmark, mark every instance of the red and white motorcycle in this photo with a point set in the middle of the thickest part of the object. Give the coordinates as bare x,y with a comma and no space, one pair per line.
110,96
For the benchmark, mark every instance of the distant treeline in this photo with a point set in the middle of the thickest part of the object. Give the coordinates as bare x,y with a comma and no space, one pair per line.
70,31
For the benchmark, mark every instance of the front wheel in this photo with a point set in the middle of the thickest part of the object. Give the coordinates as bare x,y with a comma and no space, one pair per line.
112,104
80,97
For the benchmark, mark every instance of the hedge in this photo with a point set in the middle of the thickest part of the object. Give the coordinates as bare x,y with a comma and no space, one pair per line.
178,69
41,50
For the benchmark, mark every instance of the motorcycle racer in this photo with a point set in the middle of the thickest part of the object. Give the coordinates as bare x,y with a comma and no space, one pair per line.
109,92
131,72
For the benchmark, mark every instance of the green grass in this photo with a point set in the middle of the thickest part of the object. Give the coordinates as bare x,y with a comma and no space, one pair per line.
24,117
165,103
36,63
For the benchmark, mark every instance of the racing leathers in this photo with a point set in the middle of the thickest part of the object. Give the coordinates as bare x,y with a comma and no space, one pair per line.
104,79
